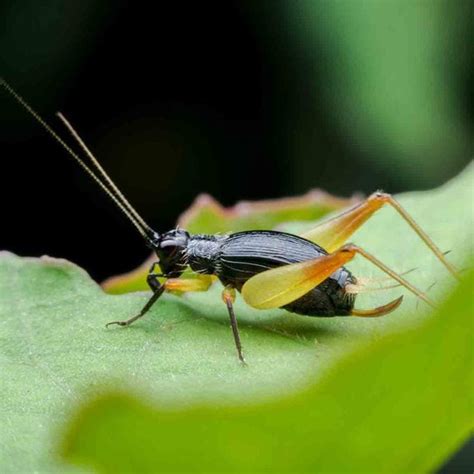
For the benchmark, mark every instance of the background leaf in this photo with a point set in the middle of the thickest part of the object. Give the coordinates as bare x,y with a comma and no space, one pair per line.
55,351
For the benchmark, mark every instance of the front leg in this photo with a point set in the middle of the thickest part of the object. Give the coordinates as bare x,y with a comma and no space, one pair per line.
202,283
157,288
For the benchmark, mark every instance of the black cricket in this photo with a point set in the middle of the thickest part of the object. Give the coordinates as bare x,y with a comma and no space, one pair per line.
236,258
262,265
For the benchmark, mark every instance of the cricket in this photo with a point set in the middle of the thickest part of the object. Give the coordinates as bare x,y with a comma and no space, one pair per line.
303,274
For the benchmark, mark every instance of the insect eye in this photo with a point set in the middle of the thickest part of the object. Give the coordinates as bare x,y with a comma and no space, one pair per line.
170,248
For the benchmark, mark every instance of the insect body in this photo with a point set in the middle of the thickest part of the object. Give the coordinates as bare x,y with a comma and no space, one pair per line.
236,258
302,274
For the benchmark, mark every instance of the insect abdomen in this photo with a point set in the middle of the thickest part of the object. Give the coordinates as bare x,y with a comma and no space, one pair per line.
244,254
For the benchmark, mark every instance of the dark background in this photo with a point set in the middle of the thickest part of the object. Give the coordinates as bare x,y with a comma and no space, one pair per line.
240,99
243,100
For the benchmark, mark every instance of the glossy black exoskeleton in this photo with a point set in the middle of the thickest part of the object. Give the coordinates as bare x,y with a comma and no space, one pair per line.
237,257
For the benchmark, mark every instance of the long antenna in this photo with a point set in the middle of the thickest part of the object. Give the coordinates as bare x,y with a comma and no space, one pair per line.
101,170
139,224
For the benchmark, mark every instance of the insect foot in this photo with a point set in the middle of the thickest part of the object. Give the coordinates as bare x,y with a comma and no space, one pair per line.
120,323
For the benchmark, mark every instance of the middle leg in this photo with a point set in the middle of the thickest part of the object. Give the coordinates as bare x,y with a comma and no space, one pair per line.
228,296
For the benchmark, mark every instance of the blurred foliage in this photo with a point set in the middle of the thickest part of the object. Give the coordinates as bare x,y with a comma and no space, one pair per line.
392,75
397,401
377,93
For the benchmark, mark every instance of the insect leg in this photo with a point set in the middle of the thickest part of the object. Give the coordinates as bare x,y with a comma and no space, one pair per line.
201,283
228,296
334,232
157,288
282,285
352,249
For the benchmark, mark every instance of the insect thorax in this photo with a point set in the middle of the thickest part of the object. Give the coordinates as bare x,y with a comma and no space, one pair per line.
203,252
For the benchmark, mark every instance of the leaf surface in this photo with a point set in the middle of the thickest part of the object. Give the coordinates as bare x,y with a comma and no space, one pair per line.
400,405
55,352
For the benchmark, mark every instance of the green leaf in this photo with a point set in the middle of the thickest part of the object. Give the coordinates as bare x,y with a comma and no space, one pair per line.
400,405
55,352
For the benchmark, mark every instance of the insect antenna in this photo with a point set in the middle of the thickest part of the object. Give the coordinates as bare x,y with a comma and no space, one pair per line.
143,228
95,162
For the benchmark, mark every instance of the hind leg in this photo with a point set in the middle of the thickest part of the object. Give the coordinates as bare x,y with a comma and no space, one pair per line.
333,233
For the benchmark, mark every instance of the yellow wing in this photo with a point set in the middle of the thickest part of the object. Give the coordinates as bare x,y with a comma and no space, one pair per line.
282,285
